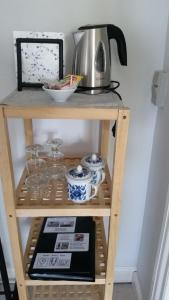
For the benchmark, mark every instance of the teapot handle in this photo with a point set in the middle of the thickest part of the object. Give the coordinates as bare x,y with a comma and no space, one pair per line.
103,177
95,187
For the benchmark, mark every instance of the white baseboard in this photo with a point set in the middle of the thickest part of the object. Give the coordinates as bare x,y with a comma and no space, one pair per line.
136,284
122,274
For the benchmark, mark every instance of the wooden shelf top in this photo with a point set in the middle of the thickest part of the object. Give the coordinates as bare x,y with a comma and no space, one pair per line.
100,264
55,202
35,103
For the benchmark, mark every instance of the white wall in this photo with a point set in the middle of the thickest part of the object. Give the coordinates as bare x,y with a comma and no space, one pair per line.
158,185
144,24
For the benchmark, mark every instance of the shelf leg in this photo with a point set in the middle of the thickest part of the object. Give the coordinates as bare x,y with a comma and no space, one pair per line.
4,275
104,143
9,200
118,170
28,131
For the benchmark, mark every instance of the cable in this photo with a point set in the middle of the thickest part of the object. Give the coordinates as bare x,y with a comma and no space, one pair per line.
106,90
117,84
115,92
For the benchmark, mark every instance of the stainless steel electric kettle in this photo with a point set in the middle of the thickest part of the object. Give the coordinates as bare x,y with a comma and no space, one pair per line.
92,54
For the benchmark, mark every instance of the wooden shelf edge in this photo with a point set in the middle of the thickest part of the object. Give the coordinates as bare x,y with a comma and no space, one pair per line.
43,112
66,211
29,282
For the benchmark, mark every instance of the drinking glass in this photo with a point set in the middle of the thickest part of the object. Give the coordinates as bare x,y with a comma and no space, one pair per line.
37,185
34,164
55,156
55,174
33,150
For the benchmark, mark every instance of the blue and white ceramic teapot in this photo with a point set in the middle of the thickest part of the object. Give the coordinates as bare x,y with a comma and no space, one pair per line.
79,184
96,165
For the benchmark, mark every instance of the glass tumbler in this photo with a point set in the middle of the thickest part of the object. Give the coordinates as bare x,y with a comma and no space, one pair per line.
37,185
55,174
33,150
57,178
55,156
34,164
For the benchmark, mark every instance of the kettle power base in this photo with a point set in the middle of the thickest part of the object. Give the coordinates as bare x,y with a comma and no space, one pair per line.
98,90
92,91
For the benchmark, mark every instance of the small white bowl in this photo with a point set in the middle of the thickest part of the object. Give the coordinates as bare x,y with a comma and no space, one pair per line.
59,95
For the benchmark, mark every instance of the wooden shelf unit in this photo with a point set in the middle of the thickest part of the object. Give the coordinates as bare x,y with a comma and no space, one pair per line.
28,105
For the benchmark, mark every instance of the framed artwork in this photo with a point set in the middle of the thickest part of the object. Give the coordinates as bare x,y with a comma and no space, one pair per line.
38,58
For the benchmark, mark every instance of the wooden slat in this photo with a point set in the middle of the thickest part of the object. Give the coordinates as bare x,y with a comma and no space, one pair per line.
40,211
28,131
87,113
108,178
29,282
21,182
32,239
118,170
101,247
9,197
104,142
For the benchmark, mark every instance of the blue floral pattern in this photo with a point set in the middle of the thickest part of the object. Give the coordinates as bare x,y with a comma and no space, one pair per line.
75,174
77,192
94,177
91,161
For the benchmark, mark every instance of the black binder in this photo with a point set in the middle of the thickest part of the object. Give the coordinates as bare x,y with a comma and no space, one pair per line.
71,265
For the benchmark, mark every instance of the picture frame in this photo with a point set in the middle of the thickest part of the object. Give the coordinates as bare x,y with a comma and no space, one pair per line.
33,61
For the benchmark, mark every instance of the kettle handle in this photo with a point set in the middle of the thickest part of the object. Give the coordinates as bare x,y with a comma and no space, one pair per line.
116,33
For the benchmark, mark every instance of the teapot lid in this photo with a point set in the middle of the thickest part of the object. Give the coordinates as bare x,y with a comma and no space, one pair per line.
93,160
79,173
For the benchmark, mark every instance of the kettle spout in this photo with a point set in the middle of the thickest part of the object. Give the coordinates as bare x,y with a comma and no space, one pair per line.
77,36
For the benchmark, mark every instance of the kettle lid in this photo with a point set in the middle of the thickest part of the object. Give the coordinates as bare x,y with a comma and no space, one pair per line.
92,26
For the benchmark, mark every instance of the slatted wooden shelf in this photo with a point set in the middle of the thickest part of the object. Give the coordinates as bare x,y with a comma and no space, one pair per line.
73,292
55,203
100,264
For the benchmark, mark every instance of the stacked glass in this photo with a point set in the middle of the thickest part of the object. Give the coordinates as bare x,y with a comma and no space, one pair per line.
44,174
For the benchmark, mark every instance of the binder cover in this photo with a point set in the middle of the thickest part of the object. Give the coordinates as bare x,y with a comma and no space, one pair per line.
65,250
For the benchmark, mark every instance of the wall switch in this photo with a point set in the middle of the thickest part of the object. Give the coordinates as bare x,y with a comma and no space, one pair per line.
160,88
